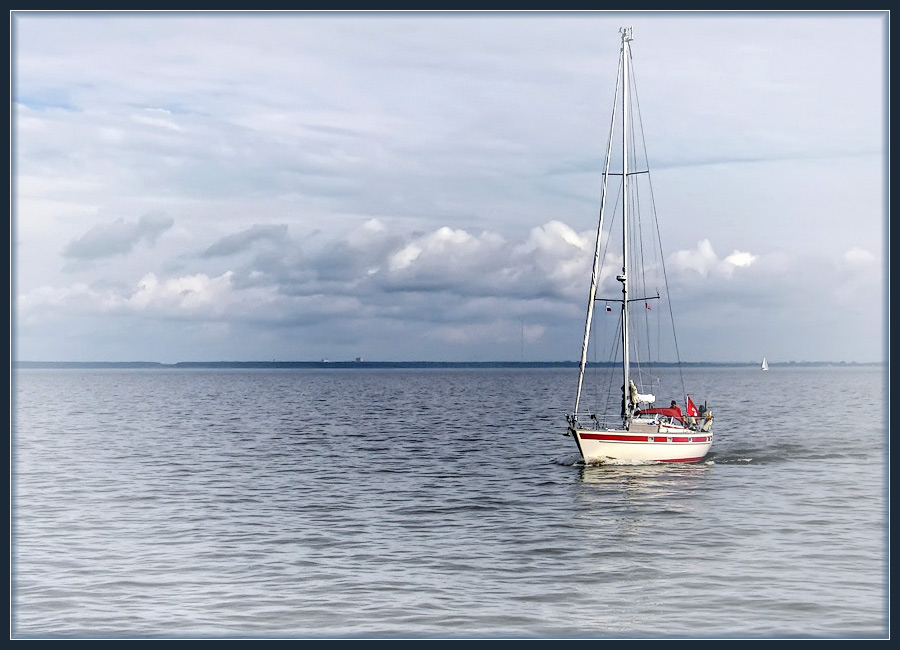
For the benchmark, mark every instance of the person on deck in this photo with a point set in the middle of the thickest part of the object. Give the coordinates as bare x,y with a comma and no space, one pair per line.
675,407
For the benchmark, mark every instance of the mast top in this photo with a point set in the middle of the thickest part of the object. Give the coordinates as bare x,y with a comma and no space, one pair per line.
627,34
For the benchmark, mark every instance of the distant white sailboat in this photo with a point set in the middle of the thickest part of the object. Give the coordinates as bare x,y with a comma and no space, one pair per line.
765,365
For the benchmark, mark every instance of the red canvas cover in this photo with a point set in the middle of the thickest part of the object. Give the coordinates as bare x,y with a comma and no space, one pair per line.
672,413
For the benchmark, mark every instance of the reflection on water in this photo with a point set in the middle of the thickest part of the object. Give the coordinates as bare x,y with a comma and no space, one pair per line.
646,476
654,488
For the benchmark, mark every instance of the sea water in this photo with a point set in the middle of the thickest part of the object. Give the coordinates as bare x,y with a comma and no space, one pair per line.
439,503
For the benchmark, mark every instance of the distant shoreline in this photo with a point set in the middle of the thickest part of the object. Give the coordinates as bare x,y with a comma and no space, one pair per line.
335,365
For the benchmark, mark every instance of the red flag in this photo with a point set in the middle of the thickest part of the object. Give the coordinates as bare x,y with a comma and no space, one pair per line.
691,409
608,308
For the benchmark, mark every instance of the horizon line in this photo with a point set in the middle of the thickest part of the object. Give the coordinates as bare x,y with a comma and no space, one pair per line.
359,362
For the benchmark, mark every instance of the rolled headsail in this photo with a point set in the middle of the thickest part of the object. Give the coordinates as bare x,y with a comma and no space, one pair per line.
637,398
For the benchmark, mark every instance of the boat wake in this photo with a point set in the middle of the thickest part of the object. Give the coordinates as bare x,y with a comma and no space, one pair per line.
738,458
569,460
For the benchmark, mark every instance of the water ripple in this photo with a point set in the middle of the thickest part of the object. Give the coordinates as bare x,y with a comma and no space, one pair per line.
442,504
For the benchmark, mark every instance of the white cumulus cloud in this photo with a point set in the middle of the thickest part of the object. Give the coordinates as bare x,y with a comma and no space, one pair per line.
703,260
184,293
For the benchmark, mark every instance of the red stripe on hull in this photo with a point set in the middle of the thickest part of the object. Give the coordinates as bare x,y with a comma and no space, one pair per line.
608,436
618,437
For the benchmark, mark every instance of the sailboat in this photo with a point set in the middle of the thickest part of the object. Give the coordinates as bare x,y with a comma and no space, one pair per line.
626,427
765,365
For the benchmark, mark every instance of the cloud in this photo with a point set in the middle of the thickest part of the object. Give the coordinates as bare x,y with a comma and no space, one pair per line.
740,259
241,241
157,117
184,294
549,263
444,275
461,292
118,237
369,271
703,260
859,258
198,294
438,257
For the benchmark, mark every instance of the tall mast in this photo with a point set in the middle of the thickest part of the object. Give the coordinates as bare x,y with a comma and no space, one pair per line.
627,407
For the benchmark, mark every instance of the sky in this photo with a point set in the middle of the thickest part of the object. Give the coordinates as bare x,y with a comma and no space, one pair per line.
400,186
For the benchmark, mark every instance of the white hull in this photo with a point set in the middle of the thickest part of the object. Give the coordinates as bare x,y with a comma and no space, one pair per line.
663,445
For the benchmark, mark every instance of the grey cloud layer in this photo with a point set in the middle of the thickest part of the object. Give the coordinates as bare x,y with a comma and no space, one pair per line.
118,237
